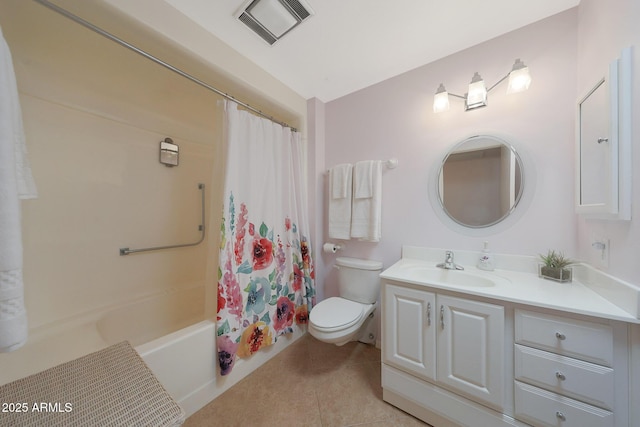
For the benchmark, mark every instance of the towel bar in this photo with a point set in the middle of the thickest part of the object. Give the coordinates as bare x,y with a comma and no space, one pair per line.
390,164
127,251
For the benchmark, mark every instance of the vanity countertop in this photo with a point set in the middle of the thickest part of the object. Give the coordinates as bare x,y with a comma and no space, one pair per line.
518,283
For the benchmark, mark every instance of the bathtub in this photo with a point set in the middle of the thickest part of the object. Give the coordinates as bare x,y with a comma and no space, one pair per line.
143,321
169,332
185,362
147,319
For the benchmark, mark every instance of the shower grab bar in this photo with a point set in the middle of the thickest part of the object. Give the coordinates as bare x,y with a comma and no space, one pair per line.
127,251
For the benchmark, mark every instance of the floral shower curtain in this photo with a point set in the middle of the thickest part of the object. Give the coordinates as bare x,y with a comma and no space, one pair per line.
265,278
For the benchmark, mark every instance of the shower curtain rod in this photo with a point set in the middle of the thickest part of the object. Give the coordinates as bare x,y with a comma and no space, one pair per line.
147,55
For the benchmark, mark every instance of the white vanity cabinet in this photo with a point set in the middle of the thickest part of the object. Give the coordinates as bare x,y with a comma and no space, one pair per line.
507,348
409,330
471,348
453,342
565,371
454,359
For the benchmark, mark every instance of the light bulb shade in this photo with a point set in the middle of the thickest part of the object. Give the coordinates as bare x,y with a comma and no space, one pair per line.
441,100
519,80
477,95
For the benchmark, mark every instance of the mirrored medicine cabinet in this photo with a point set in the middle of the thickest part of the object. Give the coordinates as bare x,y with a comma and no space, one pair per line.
603,145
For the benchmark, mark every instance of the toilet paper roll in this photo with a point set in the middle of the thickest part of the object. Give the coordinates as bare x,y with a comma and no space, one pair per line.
329,248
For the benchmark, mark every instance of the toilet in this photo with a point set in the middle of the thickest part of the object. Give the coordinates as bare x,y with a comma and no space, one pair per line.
349,317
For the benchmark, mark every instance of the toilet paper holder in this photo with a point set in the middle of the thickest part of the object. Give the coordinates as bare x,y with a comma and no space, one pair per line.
332,248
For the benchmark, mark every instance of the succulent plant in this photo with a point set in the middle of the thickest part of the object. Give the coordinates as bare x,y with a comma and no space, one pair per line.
555,259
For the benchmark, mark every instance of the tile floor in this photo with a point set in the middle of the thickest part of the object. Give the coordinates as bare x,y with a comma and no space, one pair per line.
319,385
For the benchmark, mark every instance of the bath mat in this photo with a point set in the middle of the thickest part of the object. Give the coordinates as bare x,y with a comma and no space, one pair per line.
111,387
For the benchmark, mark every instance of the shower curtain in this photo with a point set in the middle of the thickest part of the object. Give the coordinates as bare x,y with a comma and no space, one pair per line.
265,278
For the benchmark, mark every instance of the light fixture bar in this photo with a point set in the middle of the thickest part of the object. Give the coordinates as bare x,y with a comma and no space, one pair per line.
476,97
498,82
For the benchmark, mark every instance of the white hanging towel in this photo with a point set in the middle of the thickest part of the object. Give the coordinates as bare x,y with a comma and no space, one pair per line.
366,212
16,182
340,190
363,180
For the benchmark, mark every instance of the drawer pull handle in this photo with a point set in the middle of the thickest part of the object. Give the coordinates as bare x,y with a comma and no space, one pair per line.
429,313
442,316
560,376
560,416
560,336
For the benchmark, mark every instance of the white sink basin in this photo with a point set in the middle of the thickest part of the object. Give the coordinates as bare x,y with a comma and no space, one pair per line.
458,278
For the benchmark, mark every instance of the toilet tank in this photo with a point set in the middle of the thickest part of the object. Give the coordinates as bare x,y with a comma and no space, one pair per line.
359,279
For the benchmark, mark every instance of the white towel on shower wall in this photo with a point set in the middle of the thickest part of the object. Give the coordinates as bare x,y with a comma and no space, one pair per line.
366,212
16,182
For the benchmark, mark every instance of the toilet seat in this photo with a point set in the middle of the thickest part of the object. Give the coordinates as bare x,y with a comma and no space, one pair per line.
336,313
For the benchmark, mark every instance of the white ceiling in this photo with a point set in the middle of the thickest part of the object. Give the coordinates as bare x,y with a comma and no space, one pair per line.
351,44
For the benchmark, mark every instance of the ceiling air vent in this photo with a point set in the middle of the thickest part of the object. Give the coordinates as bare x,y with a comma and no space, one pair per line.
272,19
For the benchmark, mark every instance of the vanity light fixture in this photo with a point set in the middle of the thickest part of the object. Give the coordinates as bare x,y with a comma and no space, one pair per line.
519,78
476,97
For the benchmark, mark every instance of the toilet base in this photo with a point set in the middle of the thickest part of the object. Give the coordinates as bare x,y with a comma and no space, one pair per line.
365,333
370,329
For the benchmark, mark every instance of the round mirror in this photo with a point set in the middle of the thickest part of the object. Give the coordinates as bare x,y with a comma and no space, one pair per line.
480,181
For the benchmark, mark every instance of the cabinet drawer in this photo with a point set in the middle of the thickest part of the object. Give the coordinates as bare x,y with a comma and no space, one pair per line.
543,408
580,380
583,340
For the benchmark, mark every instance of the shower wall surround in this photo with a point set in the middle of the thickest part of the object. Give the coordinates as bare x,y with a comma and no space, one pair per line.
94,115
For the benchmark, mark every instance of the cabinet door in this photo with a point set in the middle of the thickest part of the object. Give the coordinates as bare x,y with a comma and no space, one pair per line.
409,320
471,349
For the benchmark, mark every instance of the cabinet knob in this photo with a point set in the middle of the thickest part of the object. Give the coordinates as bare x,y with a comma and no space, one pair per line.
560,416
561,336
560,376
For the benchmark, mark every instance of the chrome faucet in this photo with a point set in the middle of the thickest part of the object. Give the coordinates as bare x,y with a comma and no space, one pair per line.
448,263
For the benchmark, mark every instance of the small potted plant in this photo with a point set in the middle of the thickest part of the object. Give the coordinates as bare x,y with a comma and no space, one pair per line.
555,266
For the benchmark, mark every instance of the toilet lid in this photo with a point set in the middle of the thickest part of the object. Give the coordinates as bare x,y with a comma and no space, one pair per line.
336,312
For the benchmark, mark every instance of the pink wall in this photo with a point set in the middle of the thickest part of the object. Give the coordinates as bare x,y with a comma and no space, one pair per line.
395,119
316,144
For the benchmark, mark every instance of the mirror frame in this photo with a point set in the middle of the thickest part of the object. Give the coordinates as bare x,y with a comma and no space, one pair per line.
617,204
437,200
